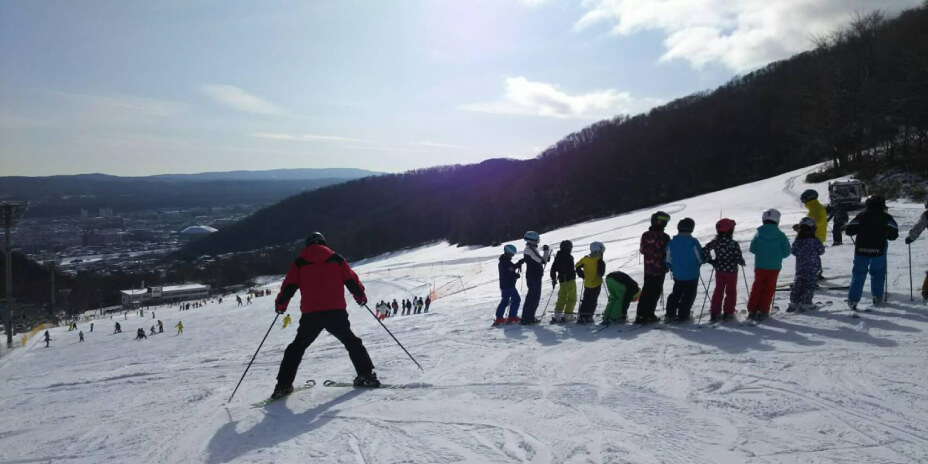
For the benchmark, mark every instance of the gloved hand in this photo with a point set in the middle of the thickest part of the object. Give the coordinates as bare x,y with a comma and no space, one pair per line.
361,299
545,248
553,283
280,308
908,240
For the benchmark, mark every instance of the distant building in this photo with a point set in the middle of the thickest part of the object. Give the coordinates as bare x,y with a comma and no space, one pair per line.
194,232
160,295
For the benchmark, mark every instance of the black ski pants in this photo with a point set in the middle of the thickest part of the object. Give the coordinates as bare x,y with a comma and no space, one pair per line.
311,325
650,294
588,305
532,298
681,298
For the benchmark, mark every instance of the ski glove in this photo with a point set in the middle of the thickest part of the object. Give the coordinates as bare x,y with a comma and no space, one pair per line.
908,240
361,299
280,308
553,283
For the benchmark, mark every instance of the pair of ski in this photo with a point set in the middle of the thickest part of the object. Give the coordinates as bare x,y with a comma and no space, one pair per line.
333,384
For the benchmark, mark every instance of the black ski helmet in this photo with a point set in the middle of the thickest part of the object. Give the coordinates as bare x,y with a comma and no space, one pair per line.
876,203
315,238
567,245
808,196
660,219
686,225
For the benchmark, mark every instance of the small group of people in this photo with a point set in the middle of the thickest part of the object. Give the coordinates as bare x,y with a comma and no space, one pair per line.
683,256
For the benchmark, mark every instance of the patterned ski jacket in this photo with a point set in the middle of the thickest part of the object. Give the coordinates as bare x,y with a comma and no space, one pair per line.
873,229
684,257
654,250
808,251
727,254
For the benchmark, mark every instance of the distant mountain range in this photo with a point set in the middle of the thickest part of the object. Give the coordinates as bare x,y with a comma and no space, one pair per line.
67,194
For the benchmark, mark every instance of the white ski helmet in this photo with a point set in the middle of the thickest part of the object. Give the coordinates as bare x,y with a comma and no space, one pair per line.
597,247
771,215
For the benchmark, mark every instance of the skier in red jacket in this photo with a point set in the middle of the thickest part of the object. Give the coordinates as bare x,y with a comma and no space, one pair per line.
319,274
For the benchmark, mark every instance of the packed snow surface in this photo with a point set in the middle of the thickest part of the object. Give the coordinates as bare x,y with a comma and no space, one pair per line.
812,388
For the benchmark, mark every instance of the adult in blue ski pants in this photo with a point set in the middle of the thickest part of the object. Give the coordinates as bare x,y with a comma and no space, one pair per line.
512,299
876,266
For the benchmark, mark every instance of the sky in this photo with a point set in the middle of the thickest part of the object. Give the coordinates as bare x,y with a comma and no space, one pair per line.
178,86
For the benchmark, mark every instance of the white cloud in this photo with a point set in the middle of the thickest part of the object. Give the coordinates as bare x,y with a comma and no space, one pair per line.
426,143
125,104
238,99
524,97
741,35
302,137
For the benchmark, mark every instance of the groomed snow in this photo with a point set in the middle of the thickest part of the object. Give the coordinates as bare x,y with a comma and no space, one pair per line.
813,388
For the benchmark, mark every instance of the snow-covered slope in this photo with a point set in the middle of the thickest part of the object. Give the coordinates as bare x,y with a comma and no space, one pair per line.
816,387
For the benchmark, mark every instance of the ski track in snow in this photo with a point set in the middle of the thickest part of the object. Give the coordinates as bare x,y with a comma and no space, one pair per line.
814,387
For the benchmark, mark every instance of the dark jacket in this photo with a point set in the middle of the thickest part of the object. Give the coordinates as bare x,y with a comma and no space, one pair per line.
631,287
872,229
319,274
535,263
808,251
727,254
562,269
654,249
508,272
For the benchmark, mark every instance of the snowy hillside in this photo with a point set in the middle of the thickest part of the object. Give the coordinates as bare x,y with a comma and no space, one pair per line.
813,388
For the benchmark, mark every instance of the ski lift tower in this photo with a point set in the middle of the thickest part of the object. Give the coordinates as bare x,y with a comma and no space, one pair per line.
10,213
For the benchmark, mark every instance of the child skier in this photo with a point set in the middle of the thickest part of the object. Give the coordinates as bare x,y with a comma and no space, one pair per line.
654,250
508,275
160,326
808,251
591,268
726,261
770,247
873,228
180,327
563,272
81,335
48,338
622,290
140,334
534,270
684,257
817,213
917,230
286,321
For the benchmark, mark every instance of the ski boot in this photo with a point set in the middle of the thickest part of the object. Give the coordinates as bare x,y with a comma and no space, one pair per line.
792,308
806,307
878,301
715,318
499,321
513,320
529,321
760,317
369,381
728,317
669,319
281,390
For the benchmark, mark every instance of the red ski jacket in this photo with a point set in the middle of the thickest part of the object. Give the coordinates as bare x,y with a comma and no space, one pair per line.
319,273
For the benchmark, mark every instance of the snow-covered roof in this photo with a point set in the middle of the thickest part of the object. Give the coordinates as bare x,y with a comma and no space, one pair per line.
183,287
198,230
134,292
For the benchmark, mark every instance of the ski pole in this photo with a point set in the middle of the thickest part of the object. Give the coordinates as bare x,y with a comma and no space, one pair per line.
394,338
747,290
704,300
911,285
546,304
253,358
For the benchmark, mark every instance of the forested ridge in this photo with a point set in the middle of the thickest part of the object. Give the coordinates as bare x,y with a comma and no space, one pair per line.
862,87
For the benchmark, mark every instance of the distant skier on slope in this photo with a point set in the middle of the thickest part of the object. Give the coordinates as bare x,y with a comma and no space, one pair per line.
770,247
508,275
563,272
117,329
428,302
916,231
81,335
535,262
180,327
160,326
727,259
591,268
808,251
396,306
684,258
838,215
874,228
622,290
654,250
140,334
319,274
48,338
286,321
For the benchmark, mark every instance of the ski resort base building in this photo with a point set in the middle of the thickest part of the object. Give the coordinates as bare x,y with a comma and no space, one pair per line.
151,296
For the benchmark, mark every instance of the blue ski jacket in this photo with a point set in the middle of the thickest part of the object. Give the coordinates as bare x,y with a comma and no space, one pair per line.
684,256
